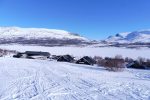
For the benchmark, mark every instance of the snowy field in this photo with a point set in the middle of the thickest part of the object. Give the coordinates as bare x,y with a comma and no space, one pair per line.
28,79
85,51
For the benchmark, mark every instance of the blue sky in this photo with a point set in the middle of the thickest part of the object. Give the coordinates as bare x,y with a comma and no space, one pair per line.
94,19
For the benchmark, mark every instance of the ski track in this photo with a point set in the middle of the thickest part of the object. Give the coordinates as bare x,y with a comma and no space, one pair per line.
29,79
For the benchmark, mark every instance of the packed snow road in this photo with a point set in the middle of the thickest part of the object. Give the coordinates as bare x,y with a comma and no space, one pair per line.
27,79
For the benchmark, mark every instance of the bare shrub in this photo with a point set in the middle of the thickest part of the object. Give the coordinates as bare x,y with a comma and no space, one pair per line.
6,52
114,64
128,60
101,62
118,57
148,63
148,60
140,60
97,58
1,52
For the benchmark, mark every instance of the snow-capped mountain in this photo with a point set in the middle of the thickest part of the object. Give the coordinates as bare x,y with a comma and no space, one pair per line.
142,36
10,32
28,35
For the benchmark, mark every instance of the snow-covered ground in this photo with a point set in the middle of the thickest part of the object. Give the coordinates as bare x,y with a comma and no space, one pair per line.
28,79
85,51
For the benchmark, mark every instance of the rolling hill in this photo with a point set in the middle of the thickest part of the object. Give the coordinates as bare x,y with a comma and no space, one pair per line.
40,36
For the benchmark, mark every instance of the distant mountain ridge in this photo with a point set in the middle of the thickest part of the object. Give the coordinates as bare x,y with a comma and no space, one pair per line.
142,36
38,35
55,37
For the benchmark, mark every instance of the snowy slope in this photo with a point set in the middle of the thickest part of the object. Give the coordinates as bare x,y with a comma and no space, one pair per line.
17,34
142,36
27,79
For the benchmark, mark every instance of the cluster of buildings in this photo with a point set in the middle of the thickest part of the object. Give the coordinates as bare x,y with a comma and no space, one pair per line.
60,58
68,58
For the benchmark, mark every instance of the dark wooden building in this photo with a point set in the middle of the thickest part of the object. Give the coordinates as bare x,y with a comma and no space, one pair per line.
33,55
55,57
18,55
137,65
66,58
36,53
86,60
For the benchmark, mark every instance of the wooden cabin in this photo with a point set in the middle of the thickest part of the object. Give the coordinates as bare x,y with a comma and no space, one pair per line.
86,60
33,55
66,58
136,65
37,55
20,55
55,57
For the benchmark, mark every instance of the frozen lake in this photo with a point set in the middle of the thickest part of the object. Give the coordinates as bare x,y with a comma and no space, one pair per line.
84,51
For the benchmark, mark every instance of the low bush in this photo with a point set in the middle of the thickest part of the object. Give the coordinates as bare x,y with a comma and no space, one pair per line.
128,60
112,64
6,52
